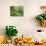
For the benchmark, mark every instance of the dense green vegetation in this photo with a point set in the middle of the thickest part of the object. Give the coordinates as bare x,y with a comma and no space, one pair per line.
11,31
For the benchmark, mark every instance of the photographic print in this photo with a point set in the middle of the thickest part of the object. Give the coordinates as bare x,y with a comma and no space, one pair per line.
16,10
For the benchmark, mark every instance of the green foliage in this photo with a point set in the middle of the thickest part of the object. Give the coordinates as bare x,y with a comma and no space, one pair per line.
16,10
41,17
11,31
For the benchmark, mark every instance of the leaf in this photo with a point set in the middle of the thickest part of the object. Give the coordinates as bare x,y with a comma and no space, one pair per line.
40,18
11,32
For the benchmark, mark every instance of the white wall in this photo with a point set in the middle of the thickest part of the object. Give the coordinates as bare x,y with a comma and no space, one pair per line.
26,24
